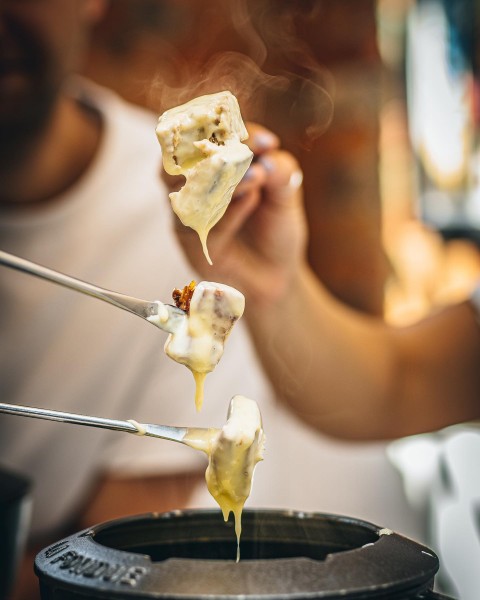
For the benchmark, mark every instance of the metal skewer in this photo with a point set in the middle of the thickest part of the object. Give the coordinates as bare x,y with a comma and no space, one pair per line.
166,432
142,308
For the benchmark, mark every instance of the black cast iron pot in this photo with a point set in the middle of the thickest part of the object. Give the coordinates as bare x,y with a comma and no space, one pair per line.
191,556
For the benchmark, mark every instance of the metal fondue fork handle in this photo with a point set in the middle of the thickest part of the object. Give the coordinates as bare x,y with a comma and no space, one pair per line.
166,432
142,308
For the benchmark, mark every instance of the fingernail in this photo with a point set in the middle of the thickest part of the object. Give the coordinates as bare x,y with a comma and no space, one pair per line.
296,179
266,164
265,139
248,174
238,195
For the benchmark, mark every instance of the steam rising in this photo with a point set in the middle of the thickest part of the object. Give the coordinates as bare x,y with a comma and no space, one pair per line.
229,70
275,76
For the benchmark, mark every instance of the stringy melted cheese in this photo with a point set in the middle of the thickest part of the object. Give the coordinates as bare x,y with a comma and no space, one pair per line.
198,340
202,140
233,452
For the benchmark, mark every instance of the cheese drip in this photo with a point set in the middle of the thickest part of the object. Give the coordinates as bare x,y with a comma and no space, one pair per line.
233,452
198,340
202,140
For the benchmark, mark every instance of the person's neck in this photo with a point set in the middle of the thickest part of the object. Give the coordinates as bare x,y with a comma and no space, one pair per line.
55,160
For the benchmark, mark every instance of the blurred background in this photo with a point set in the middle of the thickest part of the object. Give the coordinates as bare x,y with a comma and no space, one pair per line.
390,200
378,100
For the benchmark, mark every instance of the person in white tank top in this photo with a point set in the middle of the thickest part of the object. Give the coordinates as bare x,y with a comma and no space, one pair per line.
80,192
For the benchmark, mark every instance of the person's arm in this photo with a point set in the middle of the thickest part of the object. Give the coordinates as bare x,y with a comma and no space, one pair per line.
343,372
352,376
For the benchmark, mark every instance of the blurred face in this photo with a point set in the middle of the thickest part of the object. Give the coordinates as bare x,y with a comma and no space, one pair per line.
41,42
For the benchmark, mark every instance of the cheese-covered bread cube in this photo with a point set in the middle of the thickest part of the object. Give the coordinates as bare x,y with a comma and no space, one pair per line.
202,140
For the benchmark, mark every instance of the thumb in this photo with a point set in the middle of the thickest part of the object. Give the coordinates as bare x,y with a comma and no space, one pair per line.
284,177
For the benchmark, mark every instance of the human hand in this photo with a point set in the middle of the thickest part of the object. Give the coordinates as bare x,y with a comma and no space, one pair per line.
260,241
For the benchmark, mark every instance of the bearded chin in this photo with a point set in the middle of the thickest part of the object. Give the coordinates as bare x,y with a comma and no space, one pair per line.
25,122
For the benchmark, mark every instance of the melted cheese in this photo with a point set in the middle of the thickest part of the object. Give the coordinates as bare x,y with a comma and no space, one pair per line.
233,452
198,340
141,430
202,140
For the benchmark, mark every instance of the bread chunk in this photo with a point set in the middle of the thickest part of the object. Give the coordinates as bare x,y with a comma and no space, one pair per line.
202,140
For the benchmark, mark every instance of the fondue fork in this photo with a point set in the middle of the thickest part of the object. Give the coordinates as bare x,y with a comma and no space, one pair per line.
165,432
164,316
